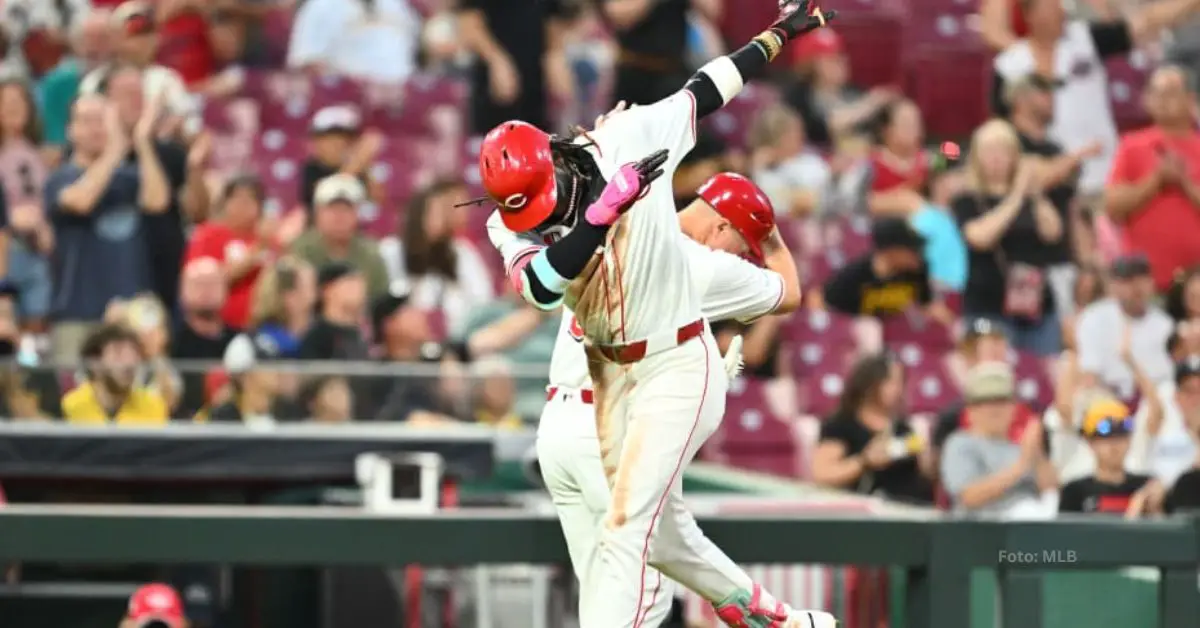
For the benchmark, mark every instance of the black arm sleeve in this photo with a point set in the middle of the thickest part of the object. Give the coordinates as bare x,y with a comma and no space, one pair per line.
750,61
567,257
1111,38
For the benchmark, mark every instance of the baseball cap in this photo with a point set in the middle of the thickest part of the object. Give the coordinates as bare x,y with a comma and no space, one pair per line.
334,271
388,304
246,351
896,233
1031,82
1106,417
134,17
156,601
822,42
339,187
977,328
1130,266
335,119
989,381
1187,367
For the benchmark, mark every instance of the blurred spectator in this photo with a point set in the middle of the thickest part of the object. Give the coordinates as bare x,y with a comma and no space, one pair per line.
795,178
28,238
91,48
180,168
1164,437
866,447
982,342
1107,426
1182,301
337,333
241,242
1006,222
403,333
255,387
1130,306
891,279
147,317
200,334
335,237
830,107
17,399
707,158
1070,54
522,334
1089,287
374,40
945,250
520,59
495,394
112,357
982,469
1151,188
244,21
284,299
651,38
1031,110
328,400
338,145
185,46
155,605
899,165
135,42
95,202
443,272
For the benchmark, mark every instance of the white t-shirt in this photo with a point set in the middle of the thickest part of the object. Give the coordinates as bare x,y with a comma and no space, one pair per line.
1099,329
1169,454
806,171
380,45
647,265
730,288
1083,113
455,299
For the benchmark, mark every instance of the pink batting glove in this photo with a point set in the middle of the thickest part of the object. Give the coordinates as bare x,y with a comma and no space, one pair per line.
625,187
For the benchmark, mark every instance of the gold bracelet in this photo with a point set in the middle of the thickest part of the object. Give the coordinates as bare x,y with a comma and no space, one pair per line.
770,44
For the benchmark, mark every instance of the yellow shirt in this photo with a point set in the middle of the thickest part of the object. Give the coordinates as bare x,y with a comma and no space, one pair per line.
510,421
143,407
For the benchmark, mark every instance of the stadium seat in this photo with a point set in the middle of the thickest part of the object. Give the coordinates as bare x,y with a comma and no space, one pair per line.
916,329
875,44
820,390
1127,77
928,387
818,326
951,86
1034,385
752,436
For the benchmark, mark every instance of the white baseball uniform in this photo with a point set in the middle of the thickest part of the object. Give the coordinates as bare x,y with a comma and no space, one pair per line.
651,414
569,453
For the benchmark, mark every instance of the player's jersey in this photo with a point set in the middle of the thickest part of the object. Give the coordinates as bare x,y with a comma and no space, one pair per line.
729,288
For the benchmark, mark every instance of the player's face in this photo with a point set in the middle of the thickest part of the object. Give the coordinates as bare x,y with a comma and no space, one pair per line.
725,238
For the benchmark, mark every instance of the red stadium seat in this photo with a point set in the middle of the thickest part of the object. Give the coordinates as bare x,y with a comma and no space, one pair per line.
928,387
875,44
1034,385
951,86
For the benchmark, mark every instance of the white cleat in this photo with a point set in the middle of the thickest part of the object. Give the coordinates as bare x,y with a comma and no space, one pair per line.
798,618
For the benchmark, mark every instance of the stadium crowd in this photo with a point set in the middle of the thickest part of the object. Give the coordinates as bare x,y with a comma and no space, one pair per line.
278,188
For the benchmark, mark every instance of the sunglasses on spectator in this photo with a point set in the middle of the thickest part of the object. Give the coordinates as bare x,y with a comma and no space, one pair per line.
1110,426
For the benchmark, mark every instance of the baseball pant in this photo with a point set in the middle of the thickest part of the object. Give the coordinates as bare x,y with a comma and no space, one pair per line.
651,418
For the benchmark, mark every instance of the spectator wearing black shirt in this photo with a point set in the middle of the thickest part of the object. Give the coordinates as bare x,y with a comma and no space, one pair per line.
201,333
520,59
337,144
891,279
651,45
1007,222
1031,110
337,333
865,447
403,333
1107,426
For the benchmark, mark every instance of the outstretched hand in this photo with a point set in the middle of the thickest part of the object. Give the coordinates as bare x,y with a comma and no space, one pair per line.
797,17
629,184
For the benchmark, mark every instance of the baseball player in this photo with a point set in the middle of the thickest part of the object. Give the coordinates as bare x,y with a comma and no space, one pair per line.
659,383
731,216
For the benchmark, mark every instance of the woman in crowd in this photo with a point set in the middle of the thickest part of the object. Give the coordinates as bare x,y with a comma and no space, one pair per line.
899,165
282,304
829,105
795,179
28,237
1089,287
442,272
1005,221
328,399
866,446
146,316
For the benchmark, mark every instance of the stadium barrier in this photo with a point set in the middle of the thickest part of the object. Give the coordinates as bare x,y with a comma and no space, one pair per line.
936,556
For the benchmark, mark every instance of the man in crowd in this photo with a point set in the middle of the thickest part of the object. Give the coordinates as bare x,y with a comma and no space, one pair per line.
1101,324
337,144
403,333
110,393
96,203
336,335
91,48
1152,189
334,236
1107,425
376,41
255,386
201,333
889,280
982,469
652,39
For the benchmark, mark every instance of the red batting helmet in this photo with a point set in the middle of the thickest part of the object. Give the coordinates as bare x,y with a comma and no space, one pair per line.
739,201
518,173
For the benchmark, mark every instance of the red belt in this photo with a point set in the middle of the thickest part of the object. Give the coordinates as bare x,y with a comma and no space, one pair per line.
585,395
634,351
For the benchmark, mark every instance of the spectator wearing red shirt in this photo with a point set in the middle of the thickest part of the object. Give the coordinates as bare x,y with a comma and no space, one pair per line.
1154,186
185,46
899,166
235,241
